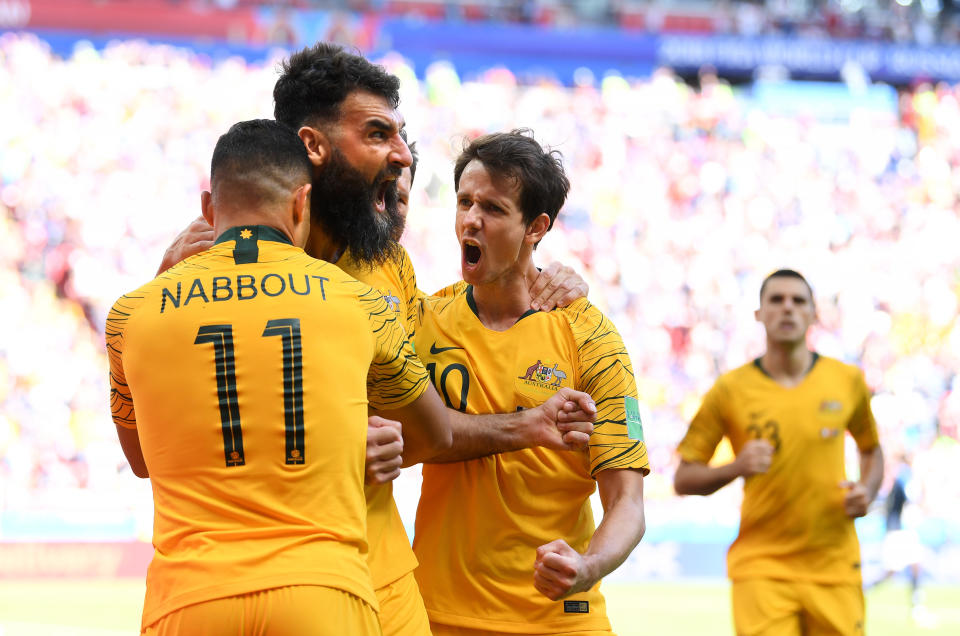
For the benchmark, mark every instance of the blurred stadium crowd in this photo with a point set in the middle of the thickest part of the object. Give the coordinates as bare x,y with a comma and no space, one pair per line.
920,21
683,199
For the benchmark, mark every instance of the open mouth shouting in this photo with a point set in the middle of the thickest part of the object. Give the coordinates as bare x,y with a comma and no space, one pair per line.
472,254
380,196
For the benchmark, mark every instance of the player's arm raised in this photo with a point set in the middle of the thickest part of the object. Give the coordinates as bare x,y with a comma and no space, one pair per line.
560,571
563,422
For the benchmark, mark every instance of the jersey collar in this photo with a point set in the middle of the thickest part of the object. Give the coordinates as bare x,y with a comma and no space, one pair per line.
243,233
473,306
816,356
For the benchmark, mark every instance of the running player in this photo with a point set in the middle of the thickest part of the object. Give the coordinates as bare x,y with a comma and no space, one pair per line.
506,540
239,384
795,565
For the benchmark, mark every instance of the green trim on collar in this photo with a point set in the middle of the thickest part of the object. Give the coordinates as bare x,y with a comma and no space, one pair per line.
816,356
260,233
246,237
472,304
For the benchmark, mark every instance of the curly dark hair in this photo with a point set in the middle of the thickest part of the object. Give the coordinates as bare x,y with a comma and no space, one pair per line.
314,82
517,155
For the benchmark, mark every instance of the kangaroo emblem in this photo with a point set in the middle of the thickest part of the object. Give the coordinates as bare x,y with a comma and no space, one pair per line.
531,370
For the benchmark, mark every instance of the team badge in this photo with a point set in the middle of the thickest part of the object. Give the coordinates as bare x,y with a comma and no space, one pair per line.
831,406
828,433
544,375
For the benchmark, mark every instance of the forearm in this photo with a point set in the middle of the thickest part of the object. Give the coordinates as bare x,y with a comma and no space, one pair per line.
694,478
476,436
871,470
426,427
617,535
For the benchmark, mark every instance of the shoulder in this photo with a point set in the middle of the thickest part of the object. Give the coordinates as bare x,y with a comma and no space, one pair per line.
445,298
585,320
840,372
747,374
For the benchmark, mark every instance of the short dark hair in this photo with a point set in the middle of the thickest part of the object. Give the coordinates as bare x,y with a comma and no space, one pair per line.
785,273
254,151
314,82
517,155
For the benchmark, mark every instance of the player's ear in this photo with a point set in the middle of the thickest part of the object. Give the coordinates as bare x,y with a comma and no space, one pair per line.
756,315
206,206
537,228
301,214
317,144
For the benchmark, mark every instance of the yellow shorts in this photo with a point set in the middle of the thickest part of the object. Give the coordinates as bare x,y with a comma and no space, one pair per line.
305,610
402,612
768,607
451,630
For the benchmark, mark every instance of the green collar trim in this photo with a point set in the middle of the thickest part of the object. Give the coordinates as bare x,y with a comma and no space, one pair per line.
256,233
472,304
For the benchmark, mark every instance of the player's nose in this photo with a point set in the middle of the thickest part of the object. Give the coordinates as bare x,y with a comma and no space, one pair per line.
400,153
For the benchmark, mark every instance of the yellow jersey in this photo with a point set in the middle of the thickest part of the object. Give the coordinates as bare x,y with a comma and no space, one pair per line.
390,555
246,371
480,521
792,524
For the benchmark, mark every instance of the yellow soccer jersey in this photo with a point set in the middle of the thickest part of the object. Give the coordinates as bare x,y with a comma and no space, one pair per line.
480,522
792,521
390,554
247,371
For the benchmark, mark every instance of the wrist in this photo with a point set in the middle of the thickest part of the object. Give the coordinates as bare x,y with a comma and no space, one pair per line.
592,571
526,431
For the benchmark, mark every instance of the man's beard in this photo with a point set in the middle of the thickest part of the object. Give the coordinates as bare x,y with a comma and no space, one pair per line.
342,203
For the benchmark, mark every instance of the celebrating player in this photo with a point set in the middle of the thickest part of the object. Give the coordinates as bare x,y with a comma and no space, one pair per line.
502,537
345,112
239,384
795,565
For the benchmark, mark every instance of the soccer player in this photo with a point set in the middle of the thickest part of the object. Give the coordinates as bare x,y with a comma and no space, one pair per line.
795,565
240,380
506,540
344,110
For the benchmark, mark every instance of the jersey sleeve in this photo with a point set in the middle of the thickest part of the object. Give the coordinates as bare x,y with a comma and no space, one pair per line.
396,376
862,425
121,401
607,375
706,429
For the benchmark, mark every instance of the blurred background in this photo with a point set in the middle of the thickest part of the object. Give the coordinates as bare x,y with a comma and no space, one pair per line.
708,143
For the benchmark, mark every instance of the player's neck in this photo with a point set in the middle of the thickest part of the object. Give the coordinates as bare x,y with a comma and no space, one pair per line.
787,363
320,245
502,302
